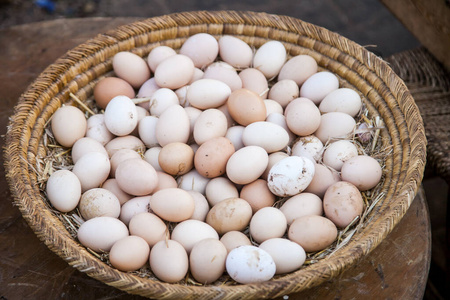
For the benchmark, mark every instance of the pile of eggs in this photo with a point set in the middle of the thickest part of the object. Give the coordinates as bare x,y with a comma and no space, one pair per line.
216,158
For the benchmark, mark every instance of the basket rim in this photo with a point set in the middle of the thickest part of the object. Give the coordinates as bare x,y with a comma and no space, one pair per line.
16,156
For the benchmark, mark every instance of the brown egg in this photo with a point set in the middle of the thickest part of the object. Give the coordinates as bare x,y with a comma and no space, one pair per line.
172,204
313,233
165,181
212,156
129,254
141,222
68,125
246,107
176,158
136,176
110,87
234,239
257,194
131,67
229,214
169,261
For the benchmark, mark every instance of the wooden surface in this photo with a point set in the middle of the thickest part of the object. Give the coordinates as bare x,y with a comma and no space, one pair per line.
396,269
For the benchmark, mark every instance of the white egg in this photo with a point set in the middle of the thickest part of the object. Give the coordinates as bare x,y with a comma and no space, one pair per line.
121,116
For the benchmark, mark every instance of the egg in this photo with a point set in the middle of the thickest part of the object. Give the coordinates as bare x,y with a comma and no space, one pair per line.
250,264
220,188
208,93
270,58
343,100
63,190
207,260
257,194
308,146
339,152
86,145
287,255
129,254
323,178
147,131
284,91
335,125
140,223
246,107
247,164
235,51
146,90
267,223
229,214
165,181
342,203
169,261
173,126
136,177
298,68
193,114
190,232
202,48
124,142
201,206
269,136
68,124
99,202
157,55
151,156
313,233
302,117
120,156
226,75
303,204
212,156
172,204
198,74
233,239
92,169
290,176
176,158
121,116
110,87
363,171
133,207
193,181
272,106
112,186
273,159
160,100
319,85
234,134
280,120
100,233
255,81
211,123
131,67
96,129
174,72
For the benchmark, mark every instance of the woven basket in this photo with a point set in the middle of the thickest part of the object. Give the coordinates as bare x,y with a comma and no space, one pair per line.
384,95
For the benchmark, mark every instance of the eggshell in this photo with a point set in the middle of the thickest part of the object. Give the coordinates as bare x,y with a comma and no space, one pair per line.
86,145
176,158
229,214
246,107
273,159
198,74
207,260
147,131
63,190
255,81
92,169
169,261
136,177
272,106
257,194
140,224
211,123
298,68
208,93
120,156
68,125
99,202
267,223
308,146
96,129
303,204
363,171
100,234
112,186
319,85
335,125
269,136
270,58
160,100
287,255
172,204
157,55
250,264
174,71
323,178
290,176
201,206
235,51
129,254
303,117
226,75
344,100
313,233
202,48
190,232
146,90
234,239
165,181
124,142
342,203
220,188
131,67
234,134
173,126
121,116
193,181
133,207
110,87
247,164
284,91
339,152
212,156
193,114
151,156
279,119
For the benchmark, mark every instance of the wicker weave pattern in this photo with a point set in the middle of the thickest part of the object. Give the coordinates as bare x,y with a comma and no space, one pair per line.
78,71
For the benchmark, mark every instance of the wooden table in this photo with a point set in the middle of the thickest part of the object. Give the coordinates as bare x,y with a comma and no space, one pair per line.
396,269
